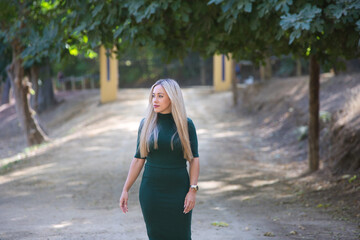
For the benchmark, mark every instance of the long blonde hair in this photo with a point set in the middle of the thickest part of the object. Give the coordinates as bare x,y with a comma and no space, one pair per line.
178,111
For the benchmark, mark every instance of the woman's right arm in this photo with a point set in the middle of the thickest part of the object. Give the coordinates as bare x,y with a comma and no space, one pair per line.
134,171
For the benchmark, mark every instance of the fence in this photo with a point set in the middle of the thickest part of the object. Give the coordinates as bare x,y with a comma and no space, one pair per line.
75,83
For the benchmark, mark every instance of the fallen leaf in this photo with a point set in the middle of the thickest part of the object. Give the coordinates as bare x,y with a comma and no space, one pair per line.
293,233
269,234
220,224
301,227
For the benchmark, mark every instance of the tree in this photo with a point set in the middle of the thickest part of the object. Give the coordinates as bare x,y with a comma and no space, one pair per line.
5,61
329,30
322,31
29,41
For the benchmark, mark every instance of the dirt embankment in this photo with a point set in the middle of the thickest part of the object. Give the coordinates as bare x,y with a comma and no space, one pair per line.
279,109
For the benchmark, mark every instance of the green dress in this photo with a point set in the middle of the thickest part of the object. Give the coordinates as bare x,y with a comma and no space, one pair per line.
165,183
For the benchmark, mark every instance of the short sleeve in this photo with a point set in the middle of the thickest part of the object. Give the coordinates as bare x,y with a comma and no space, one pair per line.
137,153
193,138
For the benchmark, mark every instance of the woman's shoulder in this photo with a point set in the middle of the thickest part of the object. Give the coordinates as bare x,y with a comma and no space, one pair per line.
142,122
190,122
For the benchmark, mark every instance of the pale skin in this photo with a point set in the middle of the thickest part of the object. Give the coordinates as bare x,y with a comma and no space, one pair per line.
162,104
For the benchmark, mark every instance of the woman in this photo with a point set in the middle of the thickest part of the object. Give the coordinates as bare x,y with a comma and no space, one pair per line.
166,140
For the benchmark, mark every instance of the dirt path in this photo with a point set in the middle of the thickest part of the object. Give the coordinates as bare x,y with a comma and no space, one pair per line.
71,189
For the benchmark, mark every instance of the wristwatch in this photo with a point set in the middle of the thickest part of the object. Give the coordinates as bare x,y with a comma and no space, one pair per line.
195,187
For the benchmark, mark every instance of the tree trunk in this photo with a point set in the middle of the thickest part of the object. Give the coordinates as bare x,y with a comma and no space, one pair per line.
314,89
202,71
46,95
234,83
33,133
262,72
5,96
34,77
266,70
298,67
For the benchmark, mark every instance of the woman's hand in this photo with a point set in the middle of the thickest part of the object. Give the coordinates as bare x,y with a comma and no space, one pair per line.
190,200
123,201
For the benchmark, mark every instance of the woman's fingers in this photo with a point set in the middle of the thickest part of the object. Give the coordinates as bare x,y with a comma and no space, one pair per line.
123,205
189,206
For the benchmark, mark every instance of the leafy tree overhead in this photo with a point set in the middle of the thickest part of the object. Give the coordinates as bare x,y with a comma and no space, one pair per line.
329,31
5,60
31,29
324,31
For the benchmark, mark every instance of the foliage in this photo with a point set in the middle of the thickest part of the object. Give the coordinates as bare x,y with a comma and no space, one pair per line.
249,29
310,27
5,53
353,178
76,65
33,25
302,132
325,116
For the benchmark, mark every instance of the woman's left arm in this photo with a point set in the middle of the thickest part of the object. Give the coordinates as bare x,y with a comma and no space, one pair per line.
190,198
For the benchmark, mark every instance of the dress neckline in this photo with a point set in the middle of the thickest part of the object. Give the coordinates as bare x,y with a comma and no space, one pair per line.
165,116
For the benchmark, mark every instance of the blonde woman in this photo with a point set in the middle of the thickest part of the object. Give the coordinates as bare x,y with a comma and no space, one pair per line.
166,141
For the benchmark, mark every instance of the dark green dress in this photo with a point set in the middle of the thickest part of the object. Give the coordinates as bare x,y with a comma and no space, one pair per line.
165,183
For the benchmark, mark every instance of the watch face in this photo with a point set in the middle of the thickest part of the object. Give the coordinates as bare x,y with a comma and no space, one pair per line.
196,187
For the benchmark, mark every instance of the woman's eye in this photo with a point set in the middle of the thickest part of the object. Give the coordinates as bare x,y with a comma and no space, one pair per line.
160,96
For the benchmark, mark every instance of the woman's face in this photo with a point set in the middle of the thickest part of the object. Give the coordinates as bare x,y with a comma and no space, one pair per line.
160,100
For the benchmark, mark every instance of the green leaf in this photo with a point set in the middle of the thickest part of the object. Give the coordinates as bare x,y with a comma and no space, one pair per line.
48,5
228,5
79,28
85,39
248,7
91,54
358,25
294,35
185,17
97,9
353,178
325,116
32,91
215,2
73,50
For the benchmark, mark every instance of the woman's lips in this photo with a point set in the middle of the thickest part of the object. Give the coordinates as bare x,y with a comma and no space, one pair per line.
156,106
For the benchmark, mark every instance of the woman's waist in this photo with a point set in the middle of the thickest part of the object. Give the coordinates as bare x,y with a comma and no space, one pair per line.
161,175
165,163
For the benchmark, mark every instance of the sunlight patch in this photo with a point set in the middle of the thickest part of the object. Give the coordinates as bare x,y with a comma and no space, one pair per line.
260,183
62,224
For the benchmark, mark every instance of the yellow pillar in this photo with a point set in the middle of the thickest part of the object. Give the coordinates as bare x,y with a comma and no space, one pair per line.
223,72
108,76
